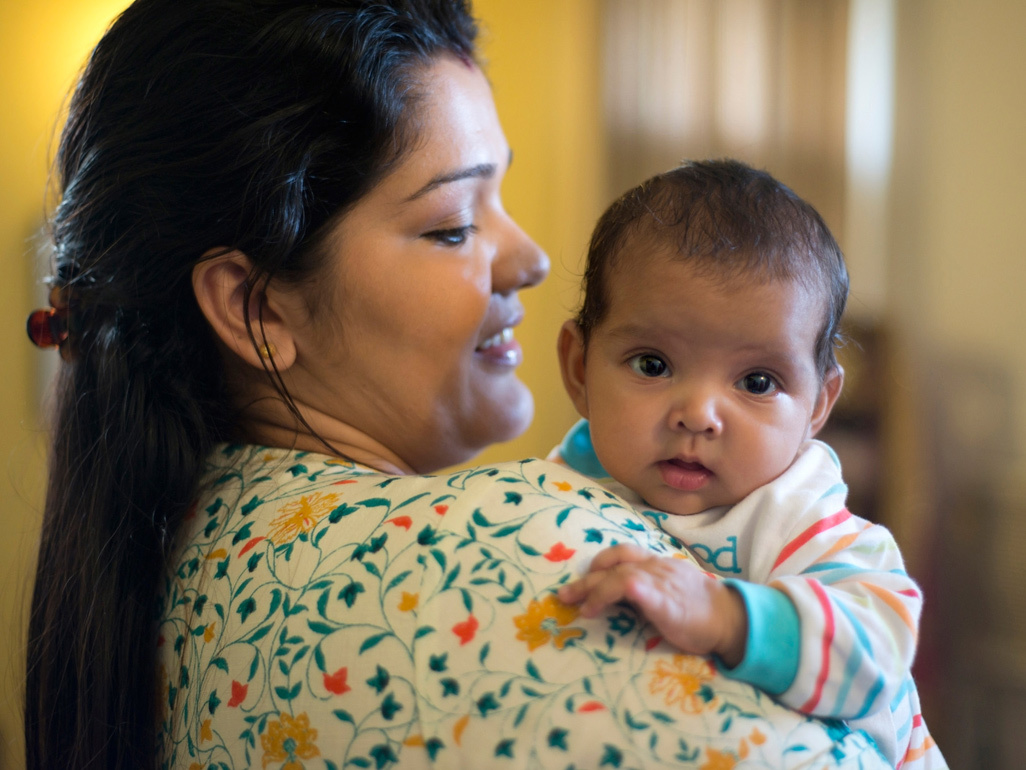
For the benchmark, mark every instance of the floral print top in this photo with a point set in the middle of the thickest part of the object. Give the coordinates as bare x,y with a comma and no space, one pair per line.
319,614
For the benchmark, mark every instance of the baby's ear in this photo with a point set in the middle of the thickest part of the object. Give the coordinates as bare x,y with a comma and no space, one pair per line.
570,348
828,393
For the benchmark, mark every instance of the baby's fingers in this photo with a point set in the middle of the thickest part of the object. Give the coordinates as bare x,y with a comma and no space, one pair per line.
618,554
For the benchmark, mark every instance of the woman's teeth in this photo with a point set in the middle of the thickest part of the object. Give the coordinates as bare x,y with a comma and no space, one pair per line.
503,337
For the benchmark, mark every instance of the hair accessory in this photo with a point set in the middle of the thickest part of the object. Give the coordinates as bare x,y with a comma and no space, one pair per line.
48,327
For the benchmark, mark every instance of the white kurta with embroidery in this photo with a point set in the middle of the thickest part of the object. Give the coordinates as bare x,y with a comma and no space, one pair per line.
323,615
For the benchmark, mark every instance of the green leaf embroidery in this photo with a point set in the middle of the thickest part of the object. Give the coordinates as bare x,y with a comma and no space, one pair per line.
286,693
380,680
246,608
390,707
398,578
557,739
251,506
372,641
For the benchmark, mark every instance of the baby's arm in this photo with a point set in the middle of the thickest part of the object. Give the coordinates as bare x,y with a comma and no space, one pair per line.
835,640
691,609
857,614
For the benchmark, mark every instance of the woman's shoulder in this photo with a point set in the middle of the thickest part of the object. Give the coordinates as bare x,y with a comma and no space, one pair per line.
319,610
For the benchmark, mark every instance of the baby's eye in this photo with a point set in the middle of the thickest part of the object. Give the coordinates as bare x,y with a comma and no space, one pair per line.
453,236
758,383
648,365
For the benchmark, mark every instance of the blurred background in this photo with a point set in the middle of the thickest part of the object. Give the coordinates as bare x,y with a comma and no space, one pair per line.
902,121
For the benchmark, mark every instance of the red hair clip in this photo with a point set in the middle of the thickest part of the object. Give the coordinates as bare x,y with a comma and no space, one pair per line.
48,327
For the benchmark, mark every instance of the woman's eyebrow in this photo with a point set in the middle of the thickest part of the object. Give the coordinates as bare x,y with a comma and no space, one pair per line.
482,171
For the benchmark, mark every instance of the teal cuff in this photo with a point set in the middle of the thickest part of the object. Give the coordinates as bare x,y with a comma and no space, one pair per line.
773,644
577,452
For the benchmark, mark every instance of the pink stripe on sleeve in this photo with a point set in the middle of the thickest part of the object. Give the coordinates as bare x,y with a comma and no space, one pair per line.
820,526
828,639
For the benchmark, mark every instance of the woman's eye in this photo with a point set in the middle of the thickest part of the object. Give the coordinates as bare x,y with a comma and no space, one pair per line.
453,236
758,384
648,365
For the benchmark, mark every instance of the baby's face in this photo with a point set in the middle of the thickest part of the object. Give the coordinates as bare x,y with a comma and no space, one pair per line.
697,390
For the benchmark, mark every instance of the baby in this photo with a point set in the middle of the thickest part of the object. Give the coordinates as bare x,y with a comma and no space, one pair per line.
703,363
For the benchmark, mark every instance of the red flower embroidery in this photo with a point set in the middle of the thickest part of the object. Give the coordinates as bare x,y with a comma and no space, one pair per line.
239,691
592,705
250,544
559,552
652,642
441,509
336,682
466,630
402,521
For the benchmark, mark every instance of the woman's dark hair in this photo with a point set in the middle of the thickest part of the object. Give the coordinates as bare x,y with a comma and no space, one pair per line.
729,220
196,125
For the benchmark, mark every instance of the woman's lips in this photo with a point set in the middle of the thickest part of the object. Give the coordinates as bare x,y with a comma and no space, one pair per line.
502,348
685,476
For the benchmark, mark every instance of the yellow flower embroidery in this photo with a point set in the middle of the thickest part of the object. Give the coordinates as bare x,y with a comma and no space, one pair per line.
289,740
208,632
563,486
459,727
301,516
409,602
685,681
544,620
715,760
206,734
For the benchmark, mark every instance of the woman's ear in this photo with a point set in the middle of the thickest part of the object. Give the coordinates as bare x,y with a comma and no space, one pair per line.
570,347
219,282
828,394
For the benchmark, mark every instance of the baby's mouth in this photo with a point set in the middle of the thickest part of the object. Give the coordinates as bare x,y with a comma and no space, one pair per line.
685,476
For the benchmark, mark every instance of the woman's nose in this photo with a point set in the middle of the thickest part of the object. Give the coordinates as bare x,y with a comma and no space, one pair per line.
520,263
696,410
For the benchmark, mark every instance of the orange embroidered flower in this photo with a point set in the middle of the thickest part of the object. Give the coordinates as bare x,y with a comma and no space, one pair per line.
716,760
559,552
239,691
466,630
300,516
289,740
206,734
336,683
563,486
208,632
409,602
685,681
544,621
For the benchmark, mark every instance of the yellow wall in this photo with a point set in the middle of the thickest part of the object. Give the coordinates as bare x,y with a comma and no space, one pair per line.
543,60
41,47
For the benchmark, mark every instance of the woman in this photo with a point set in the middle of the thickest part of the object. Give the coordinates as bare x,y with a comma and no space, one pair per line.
285,288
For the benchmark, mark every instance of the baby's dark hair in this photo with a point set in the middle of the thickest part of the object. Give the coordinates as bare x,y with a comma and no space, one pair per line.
732,222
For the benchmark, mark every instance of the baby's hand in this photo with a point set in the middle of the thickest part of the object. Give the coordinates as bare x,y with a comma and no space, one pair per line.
691,610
